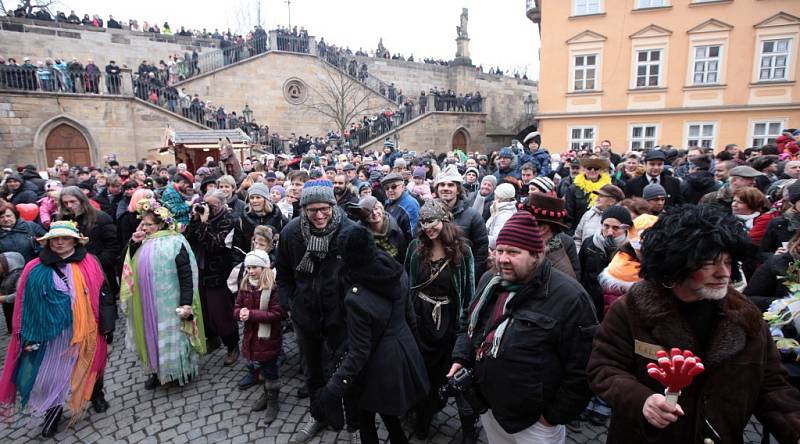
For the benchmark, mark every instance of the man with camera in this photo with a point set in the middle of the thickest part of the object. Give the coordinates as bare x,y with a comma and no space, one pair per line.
527,342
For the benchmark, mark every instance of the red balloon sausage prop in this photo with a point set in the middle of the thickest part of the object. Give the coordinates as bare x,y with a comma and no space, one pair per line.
675,371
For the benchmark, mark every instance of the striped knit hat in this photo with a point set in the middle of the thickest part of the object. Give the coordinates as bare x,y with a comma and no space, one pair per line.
317,191
521,231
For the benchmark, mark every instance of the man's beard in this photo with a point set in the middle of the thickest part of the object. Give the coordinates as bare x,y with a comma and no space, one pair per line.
338,191
713,294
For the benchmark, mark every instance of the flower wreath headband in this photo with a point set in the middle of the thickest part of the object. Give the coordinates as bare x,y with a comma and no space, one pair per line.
150,205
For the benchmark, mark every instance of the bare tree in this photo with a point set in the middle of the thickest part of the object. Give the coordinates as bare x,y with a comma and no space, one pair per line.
29,6
340,98
246,15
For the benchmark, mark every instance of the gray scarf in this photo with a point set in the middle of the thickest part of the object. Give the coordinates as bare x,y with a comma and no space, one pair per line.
317,241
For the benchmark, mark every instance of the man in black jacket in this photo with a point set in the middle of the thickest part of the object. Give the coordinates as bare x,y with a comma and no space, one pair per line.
528,340
308,267
654,173
448,188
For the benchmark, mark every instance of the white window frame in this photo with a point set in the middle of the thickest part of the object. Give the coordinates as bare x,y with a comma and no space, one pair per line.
773,58
582,139
643,4
648,64
712,139
583,69
643,140
706,61
581,7
764,138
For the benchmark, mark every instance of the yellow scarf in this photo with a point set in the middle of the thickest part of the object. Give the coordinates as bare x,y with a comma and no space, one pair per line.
589,187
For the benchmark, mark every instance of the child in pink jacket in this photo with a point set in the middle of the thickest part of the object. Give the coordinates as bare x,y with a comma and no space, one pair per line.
48,205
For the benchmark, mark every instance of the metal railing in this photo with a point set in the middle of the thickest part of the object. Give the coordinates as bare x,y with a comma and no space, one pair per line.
51,79
227,55
293,43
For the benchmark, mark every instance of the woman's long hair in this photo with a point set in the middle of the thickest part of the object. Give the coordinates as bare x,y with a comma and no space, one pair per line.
86,209
452,240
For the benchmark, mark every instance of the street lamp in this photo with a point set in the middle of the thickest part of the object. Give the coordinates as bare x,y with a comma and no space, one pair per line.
247,113
529,102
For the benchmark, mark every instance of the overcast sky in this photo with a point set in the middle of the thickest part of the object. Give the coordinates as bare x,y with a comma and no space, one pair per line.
500,33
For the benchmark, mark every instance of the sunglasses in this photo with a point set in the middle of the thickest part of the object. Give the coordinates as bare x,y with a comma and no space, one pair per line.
391,187
592,169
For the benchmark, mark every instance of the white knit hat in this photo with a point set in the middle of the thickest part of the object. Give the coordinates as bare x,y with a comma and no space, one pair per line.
450,174
505,191
257,258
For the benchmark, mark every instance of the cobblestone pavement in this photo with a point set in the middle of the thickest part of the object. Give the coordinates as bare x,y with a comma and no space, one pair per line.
212,409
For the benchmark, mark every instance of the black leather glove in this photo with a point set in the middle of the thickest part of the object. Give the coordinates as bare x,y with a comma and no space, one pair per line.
327,407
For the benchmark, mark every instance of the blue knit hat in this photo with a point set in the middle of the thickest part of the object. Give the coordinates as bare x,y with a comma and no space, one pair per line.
506,152
317,191
388,142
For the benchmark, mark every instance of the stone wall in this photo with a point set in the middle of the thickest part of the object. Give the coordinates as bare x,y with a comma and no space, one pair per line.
121,125
40,40
259,83
504,96
434,131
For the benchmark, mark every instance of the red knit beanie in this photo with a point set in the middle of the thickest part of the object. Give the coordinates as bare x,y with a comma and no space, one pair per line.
521,231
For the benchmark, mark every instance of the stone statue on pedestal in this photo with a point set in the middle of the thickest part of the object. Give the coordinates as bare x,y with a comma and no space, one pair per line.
462,41
462,30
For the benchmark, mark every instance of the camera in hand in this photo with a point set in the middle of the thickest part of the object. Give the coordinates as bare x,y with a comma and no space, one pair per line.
199,208
463,384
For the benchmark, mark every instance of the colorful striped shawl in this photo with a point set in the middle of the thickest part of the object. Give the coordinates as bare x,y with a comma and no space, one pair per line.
92,349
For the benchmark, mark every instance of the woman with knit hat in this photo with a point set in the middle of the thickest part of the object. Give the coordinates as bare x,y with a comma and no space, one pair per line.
440,269
161,298
57,352
259,211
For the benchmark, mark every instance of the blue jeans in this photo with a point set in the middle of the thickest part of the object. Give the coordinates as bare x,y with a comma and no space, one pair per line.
270,370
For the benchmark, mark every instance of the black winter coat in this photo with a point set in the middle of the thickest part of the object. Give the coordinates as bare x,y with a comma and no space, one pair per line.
245,226
27,193
109,203
315,300
635,187
577,202
103,241
766,284
208,242
697,185
35,179
777,232
593,261
22,239
540,365
474,229
382,355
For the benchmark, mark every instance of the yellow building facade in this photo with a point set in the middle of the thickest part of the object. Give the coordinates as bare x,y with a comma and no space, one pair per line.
644,73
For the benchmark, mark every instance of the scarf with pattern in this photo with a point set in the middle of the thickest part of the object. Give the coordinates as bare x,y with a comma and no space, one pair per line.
382,239
317,241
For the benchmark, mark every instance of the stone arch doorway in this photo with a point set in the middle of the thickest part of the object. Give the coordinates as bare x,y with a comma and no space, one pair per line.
73,141
66,141
460,140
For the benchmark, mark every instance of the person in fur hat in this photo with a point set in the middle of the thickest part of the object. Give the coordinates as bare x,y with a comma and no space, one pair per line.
685,301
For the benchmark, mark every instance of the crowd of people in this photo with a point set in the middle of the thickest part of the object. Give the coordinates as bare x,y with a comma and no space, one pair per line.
532,288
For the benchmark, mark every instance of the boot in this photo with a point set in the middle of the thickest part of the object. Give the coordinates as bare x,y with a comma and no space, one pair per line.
250,379
469,430
272,389
231,357
51,419
152,382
